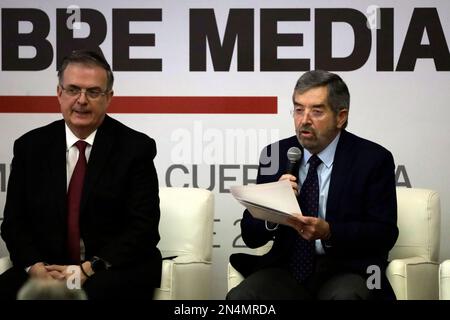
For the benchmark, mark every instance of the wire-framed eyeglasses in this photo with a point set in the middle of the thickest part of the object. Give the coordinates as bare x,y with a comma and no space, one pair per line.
91,93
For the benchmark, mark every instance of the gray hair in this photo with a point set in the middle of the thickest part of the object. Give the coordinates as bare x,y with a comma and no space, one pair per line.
338,94
87,58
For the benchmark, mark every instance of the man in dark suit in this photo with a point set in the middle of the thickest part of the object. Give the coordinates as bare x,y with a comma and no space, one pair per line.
102,234
354,223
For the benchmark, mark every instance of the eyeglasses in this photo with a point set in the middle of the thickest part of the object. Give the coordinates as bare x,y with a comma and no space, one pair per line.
72,91
314,113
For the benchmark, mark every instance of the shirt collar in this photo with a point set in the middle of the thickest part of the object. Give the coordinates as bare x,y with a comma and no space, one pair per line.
71,139
326,155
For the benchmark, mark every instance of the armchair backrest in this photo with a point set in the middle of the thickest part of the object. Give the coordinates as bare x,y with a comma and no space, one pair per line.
419,224
186,225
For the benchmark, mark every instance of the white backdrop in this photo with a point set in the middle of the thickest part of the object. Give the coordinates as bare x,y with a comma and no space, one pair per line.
405,111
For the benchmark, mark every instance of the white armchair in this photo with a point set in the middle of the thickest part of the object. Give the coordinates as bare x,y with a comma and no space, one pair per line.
5,264
186,228
444,280
413,270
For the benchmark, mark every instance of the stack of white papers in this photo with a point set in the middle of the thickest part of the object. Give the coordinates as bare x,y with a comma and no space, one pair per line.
273,201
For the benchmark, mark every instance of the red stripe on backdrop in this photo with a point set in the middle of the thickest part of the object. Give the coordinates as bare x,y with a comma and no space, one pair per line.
120,104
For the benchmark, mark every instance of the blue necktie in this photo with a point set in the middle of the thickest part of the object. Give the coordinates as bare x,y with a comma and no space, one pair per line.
303,253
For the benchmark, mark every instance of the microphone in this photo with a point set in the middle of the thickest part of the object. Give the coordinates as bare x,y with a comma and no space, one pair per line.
294,154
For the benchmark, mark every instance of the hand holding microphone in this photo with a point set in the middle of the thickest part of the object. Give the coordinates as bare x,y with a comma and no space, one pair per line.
294,154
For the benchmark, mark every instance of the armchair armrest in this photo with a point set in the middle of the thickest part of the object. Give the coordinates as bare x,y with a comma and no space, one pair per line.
5,264
444,280
184,278
234,277
414,278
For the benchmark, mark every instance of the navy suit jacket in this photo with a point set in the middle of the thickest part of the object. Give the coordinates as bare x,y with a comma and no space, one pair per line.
361,208
119,213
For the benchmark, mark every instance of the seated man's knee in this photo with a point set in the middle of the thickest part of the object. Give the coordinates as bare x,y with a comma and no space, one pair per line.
345,287
239,293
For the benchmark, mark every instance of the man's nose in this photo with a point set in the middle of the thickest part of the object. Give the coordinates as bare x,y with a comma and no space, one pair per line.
82,98
306,119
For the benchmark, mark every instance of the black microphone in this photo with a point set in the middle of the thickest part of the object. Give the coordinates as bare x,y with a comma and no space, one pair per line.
294,154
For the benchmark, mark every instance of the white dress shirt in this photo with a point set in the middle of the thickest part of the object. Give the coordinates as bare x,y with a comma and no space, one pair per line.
72,151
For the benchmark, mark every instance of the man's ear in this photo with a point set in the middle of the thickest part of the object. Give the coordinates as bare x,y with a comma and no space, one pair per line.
59,93
342,117
109,97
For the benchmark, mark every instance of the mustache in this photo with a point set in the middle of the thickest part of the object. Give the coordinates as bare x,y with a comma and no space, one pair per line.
80,108
305,128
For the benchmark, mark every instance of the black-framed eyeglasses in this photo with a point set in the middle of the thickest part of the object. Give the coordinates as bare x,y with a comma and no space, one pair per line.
91,93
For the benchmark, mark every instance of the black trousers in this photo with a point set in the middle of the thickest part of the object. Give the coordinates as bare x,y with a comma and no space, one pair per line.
326,283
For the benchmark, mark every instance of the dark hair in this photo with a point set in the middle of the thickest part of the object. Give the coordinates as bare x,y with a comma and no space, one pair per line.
88,58
338,94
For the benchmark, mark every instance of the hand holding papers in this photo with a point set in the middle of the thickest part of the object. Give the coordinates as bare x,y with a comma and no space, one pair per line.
274,201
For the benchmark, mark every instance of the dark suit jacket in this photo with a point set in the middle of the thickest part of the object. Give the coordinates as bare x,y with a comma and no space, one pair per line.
361,208
119,208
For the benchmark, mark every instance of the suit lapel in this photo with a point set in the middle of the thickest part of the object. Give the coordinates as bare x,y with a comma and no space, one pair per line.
57,167
99,156
341,167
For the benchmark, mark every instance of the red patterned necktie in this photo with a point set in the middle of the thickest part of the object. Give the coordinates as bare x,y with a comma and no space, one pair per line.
303,254
73,204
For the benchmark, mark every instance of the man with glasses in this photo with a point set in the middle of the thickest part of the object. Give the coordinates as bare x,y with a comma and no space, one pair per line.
82,202
345,186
